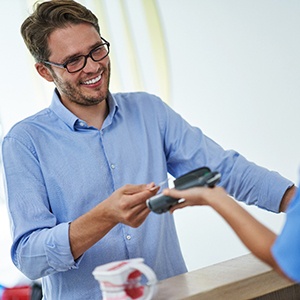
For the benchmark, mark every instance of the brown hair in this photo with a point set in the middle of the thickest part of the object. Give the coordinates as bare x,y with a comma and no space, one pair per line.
49,16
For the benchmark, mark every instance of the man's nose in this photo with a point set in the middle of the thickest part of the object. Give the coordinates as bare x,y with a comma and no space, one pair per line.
91,66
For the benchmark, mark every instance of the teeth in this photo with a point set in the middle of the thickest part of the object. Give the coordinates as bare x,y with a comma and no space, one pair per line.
93,80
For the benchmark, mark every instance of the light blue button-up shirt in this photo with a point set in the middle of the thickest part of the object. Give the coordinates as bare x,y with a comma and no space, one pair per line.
58,168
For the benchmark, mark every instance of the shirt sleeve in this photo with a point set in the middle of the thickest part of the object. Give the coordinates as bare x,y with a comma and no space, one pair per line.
188,148
286,248
28,208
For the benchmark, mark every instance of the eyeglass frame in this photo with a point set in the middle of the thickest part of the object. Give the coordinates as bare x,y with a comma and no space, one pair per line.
90,54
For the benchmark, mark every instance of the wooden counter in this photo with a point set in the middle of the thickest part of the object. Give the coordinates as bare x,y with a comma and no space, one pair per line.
244,277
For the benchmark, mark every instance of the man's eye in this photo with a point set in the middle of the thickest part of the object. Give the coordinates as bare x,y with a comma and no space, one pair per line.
74,61
99,53
99,50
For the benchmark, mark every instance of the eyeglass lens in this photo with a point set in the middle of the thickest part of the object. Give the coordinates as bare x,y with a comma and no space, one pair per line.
79,62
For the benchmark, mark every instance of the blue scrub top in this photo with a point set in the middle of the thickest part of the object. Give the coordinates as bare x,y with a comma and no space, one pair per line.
286,249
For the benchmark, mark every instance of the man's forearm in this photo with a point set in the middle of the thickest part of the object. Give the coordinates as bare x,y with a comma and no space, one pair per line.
88,229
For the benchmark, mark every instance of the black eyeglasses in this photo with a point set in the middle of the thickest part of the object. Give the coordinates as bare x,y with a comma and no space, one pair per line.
77,63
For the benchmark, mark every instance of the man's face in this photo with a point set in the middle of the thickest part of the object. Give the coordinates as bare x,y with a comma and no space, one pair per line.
88,86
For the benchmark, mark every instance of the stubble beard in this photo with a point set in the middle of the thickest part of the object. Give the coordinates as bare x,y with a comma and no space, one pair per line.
74,95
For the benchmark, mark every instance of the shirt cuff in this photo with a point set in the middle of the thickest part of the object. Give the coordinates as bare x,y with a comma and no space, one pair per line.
58,249
271,197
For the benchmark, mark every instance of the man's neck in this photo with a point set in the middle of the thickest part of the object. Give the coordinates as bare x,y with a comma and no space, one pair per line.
93,115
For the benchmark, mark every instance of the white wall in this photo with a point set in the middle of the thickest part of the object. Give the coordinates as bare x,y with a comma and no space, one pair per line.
235,71
235,74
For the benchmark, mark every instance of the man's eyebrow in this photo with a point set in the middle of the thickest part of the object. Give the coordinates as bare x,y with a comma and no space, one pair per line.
95,45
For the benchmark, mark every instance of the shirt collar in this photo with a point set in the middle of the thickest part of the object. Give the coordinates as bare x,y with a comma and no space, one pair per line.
71,120
113,108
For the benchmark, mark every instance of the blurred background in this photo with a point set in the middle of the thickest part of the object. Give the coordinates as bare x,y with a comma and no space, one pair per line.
230,67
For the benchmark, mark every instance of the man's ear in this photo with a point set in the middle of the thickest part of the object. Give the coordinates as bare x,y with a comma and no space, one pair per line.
44,71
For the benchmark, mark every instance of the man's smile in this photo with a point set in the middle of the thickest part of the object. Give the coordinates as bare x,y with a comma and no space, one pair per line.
92,81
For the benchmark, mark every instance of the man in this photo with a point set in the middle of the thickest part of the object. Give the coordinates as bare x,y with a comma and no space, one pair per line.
76,171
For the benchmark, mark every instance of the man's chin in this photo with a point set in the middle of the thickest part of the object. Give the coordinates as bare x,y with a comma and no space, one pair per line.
92,101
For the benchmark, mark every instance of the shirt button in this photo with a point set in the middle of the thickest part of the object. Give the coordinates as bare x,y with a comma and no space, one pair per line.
128,237
112,166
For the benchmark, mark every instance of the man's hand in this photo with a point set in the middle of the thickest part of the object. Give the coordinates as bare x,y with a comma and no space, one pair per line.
127,205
